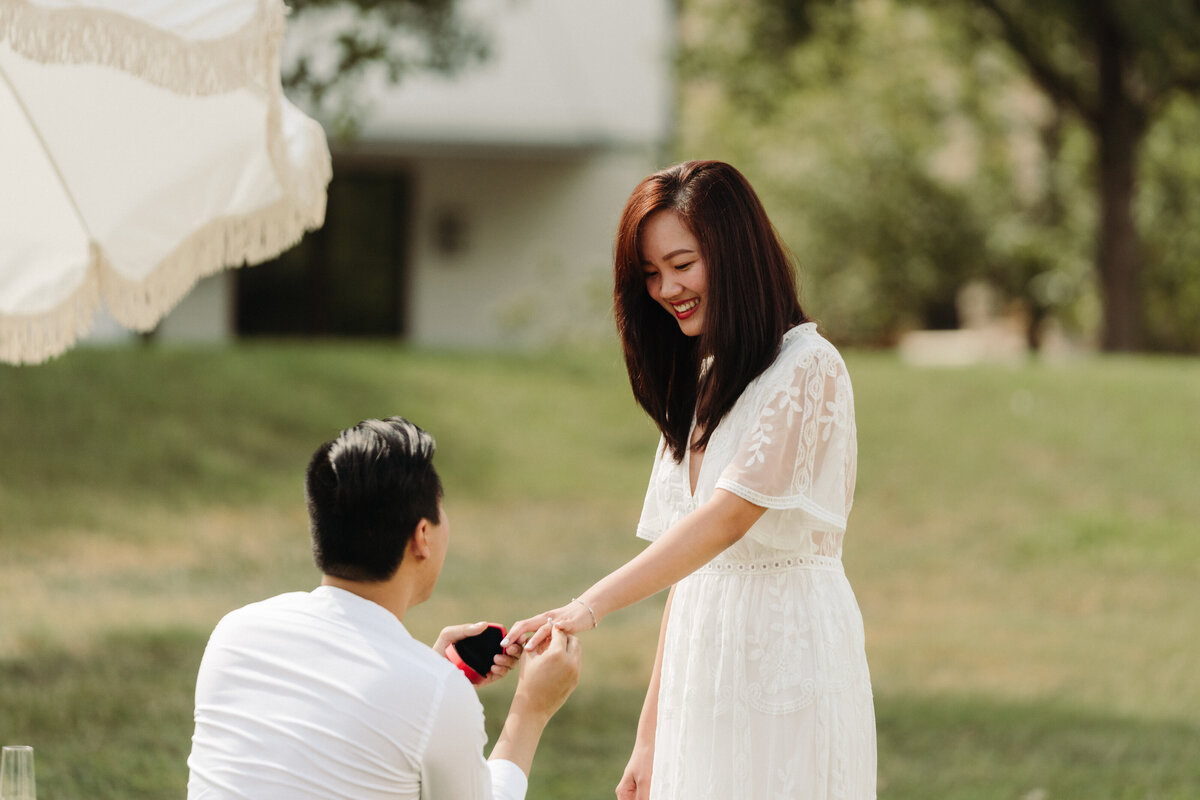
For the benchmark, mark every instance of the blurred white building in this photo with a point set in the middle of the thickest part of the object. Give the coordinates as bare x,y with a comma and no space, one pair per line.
477,210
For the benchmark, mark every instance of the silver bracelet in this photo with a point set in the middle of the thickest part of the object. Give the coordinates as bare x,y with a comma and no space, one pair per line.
595,622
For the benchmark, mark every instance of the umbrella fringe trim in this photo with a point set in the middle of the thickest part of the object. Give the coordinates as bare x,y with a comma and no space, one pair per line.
240,59
34,338
230,242
227,242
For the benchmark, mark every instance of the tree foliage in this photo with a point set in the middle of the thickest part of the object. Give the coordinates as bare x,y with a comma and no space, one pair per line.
858,149
336,48
904,149
1168,212
1115,64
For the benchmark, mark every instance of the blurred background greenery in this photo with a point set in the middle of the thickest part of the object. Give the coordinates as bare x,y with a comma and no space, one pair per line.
905,148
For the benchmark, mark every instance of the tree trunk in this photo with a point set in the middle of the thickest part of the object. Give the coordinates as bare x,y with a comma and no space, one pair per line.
1118,127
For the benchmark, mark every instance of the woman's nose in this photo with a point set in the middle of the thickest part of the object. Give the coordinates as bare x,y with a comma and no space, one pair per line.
669,287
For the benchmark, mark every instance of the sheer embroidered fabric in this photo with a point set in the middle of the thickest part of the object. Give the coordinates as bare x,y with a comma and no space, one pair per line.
765,690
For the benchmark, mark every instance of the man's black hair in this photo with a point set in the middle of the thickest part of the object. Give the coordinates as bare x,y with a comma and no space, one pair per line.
367,490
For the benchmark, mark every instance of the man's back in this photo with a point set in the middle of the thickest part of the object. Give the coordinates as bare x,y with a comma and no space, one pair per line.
326,695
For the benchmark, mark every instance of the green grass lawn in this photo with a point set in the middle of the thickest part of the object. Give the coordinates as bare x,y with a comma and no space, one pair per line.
1024,548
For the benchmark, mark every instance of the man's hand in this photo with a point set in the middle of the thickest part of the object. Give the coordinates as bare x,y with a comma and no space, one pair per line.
548,677
502,663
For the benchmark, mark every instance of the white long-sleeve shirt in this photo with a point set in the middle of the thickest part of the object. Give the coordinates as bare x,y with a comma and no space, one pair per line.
326,695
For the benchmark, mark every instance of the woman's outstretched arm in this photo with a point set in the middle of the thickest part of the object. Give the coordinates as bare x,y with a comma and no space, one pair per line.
681,550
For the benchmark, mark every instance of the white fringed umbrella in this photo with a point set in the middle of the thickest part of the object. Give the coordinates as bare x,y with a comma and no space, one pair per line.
144,144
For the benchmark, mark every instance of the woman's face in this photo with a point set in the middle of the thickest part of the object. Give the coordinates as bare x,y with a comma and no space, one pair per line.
674,270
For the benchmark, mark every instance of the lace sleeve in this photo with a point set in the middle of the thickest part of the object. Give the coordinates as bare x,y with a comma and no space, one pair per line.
655,515
799,453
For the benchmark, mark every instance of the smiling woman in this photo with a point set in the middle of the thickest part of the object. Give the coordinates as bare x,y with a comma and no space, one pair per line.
747,285
760,685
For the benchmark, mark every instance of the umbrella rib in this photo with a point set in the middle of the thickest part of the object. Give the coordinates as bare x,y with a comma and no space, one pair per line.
62,181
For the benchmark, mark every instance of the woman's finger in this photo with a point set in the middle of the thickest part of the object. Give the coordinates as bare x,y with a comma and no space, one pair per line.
520,628
540,636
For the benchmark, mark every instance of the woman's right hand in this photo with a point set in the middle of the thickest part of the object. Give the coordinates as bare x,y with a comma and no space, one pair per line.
574,617
635,783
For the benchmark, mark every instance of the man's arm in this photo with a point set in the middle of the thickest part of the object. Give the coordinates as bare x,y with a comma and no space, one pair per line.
453,767
547,678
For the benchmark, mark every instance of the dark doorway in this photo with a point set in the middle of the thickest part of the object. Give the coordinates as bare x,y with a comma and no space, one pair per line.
347,279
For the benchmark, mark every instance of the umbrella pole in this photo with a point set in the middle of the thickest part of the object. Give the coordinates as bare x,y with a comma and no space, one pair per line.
53,164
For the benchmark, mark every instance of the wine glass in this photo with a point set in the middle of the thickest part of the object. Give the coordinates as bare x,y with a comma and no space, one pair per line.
16,773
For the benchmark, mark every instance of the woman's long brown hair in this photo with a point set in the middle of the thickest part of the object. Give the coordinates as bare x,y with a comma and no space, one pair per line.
751,299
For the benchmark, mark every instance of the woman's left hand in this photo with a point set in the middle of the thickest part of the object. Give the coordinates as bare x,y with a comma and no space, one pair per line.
571,618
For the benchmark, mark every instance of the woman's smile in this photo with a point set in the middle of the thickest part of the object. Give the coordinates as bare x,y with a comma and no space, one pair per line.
686,308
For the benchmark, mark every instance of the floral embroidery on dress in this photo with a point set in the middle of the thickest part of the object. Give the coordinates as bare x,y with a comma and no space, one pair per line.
781,656
761,436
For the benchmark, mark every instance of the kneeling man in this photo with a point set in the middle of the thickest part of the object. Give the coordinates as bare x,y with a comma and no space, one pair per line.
325,694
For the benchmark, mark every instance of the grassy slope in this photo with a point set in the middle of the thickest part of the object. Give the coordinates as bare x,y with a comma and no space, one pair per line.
1023,547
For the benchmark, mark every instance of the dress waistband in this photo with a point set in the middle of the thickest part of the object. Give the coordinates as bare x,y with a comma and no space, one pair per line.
766,566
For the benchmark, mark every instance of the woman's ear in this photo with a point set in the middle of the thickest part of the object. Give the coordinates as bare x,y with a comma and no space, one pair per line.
418,543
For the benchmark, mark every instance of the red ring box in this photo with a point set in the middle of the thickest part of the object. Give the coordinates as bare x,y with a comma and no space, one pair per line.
474,655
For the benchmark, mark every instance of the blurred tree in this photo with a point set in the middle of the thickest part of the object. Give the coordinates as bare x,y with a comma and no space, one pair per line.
1029,188
861,151
335,47
1116,64
906,148
1168,211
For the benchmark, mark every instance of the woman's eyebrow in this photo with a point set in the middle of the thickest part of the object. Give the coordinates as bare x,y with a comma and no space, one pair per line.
671,255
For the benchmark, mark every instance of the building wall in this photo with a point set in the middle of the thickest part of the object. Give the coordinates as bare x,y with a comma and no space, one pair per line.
520,166
505,251
531,261
204,315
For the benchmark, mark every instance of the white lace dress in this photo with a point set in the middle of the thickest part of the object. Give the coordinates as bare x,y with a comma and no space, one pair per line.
765,691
